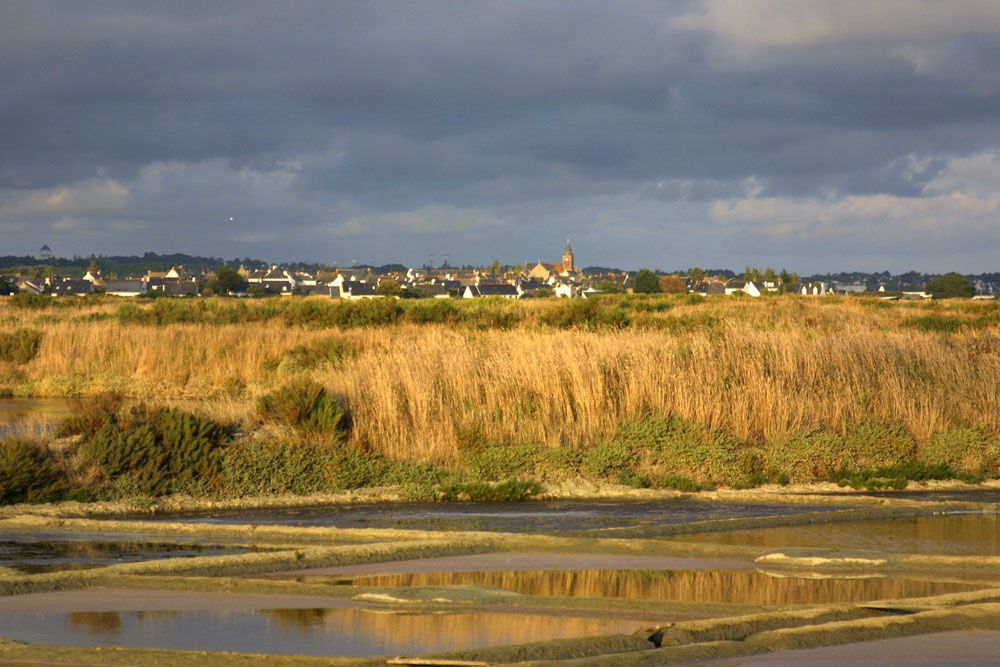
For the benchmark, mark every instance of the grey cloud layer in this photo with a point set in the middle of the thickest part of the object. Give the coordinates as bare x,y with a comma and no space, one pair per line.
652,133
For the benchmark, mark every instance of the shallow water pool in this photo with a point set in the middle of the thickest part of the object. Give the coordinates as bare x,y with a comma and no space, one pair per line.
318,632
952,534
53,552
542,516
747,587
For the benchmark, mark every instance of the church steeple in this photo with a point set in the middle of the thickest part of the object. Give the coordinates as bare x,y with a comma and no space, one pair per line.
567,258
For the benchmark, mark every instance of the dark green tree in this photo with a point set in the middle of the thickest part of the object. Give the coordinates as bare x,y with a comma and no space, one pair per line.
646,282
608,286
226,280
696,274
950,286
389,287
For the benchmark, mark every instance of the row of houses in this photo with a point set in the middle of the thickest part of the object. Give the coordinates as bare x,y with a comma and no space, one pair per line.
175,282
538,280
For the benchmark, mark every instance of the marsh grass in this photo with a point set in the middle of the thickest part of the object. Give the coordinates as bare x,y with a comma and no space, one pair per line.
761,372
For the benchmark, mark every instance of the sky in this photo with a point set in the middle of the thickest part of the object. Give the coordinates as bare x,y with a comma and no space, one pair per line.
817,136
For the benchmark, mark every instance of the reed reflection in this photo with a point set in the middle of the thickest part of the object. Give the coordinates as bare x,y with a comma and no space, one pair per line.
728,586
975,534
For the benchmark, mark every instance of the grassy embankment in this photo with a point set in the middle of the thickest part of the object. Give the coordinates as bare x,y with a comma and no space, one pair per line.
449,398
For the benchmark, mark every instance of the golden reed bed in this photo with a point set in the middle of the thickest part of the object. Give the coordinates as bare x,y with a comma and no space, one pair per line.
755,368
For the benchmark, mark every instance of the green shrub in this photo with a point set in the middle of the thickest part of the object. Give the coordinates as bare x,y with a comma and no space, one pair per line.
611,459
160,451
897,476
30,301
20,346
433,311
492,313
506,491
352,468
91,415
966,450
682,324
646,304
876,444
664,481
669,447
504,461
805,457
27,474
307,405
264,466
315,354
363,313
938,323
591,313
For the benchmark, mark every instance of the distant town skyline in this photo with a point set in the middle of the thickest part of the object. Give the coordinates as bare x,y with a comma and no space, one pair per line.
820,136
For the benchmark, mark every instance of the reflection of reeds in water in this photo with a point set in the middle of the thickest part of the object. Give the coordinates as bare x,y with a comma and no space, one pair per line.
972,534
737,587
302,619
29,426
106,624
410,634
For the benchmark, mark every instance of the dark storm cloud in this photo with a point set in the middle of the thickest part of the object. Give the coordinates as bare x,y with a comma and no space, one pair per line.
493,128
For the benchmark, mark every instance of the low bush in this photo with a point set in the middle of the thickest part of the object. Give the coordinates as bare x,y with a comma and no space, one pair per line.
158,451
611,459
315,354
433,311
670,447
504,461
265,466
493,313
664,481
28,474
897,476
878,444
486,492
647,304
20,346
805,457
30,301
306,405
938,323
683,324
353,468
363,313
591,313
91,415
966,450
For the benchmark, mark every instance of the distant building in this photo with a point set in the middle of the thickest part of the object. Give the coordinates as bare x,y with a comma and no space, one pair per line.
45,252
567,258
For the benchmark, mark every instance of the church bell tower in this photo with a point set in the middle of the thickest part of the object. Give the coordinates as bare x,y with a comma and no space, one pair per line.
567,258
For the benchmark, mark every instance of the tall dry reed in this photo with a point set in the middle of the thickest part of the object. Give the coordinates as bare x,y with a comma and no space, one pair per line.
756,369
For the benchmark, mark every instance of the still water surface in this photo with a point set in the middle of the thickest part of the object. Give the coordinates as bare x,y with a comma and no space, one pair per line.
32,415
33,553
346,632
954,534
706,586
537,516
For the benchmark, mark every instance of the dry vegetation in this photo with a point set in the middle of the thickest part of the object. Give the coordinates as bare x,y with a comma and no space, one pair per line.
550,373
